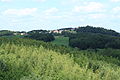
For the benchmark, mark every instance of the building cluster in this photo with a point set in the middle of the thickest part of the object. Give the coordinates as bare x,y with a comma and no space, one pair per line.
20,33
61,30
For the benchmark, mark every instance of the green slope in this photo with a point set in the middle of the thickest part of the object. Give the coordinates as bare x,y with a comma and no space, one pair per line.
60,40
22,59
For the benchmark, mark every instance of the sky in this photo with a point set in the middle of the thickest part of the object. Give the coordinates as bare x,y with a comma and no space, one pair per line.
26,15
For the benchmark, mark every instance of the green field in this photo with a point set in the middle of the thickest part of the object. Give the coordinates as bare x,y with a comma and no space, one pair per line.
60,40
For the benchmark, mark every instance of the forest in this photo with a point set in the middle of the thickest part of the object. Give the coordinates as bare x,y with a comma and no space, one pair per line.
94,41
76,55
25,59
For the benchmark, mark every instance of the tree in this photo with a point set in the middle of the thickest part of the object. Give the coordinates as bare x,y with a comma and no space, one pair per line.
94,41
100,30
41,36
6,33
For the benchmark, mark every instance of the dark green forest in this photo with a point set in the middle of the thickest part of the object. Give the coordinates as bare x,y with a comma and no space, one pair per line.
91,29
93,38
6,33
94,41
46,37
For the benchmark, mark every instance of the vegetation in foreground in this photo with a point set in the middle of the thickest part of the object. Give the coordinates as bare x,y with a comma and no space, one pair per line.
23,59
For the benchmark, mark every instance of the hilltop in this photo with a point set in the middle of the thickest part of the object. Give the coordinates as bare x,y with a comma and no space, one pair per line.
85,29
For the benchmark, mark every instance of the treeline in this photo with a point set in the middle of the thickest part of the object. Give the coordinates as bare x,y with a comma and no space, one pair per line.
93,38
82,37
42,35
91,29
94,41
6,33
90,37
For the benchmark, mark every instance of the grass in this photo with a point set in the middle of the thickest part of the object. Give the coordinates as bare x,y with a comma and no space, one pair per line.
61,40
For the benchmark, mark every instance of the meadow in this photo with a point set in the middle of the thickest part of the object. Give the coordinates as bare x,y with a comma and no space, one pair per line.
25,59
61,40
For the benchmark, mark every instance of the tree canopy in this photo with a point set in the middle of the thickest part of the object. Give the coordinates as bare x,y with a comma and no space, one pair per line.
94,41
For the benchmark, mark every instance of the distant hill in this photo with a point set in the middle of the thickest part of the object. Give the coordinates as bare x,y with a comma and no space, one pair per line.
90,29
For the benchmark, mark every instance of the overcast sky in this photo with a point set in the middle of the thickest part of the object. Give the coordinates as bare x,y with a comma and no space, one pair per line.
25,15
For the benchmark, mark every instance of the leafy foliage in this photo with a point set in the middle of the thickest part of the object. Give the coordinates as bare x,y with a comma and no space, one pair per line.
90,29
5,33
41,36
37,31
25,59
94,41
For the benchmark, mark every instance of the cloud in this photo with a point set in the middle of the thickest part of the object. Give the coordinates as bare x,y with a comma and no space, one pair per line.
20,12
51,11
97,16
115,0
41,0
66,2
5,0
90,7
74,1
116,10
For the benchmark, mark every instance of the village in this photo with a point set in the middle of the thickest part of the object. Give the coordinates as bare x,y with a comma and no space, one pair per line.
58,31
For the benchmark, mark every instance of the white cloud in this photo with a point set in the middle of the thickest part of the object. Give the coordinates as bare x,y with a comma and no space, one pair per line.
115,0
73,2
97,16
90,7
5,0
20,12
116,10
51,11
41,0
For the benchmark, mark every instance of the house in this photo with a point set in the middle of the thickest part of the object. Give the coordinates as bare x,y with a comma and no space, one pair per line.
57,31
20,33
15,33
